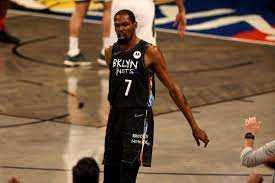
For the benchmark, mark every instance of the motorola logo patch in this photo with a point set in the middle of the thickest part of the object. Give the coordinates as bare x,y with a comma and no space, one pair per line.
137,54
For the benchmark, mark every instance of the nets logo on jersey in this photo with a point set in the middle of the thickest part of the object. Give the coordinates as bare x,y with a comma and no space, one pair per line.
125,66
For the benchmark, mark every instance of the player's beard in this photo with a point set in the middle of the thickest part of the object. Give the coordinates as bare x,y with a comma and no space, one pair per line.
124,40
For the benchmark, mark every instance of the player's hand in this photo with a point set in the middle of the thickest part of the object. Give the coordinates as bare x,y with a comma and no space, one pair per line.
180,21
200,135
252,125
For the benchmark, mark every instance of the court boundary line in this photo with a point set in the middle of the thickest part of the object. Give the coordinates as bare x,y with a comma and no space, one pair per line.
34,122
221,101
141,172
30,59
40,120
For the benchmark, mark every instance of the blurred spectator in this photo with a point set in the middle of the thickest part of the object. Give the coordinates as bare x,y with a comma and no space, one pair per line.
74,57
5,37
257,178
86,170
249,156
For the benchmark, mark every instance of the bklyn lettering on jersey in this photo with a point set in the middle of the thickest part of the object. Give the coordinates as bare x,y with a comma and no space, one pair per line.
124,66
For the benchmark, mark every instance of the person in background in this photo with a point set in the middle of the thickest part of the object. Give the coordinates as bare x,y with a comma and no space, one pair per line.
144,11
5,37
253,157
86,170
74,56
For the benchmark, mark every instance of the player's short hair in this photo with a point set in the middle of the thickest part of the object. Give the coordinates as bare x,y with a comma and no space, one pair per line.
86,170
127,12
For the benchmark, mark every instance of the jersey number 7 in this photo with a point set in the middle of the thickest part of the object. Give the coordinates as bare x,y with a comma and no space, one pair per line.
128,86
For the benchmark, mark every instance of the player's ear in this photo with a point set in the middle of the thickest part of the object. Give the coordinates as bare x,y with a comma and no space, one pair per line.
135,25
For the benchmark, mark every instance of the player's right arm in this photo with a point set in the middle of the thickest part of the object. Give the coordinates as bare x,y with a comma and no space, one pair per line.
108,55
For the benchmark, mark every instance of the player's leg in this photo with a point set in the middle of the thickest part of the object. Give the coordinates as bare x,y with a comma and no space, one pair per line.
121,173
3,12
106,21
111,173
137,140
113,150
74,57
129,171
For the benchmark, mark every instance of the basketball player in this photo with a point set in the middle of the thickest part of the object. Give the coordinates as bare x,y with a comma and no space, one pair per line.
144,11
5,37
133,63
74,56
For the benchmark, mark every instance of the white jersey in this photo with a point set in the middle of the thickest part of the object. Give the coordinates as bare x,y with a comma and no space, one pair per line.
144,11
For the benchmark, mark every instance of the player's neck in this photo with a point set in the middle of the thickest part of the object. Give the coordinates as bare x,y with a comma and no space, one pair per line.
131,44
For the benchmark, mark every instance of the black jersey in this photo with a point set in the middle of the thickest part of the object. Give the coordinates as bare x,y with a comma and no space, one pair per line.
130,83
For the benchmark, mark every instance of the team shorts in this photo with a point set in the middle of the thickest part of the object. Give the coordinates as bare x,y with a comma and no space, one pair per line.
129,136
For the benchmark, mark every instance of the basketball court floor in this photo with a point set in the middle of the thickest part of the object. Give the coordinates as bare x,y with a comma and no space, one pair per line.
51,115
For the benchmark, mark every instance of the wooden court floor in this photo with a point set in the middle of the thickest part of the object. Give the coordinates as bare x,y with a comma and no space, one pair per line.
51,115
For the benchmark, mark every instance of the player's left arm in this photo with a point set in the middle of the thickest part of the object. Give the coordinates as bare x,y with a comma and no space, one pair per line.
156,62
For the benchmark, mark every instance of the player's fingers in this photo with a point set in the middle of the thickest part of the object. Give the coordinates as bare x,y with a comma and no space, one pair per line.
198,142
181,29
180,33
206,142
